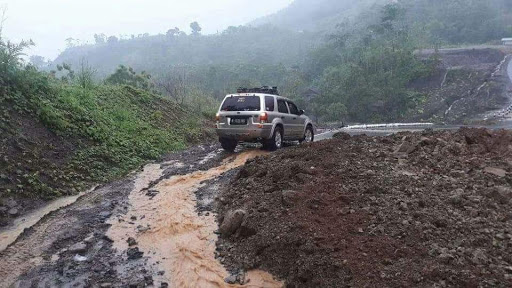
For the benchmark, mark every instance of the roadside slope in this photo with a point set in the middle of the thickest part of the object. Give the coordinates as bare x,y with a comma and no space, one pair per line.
60,139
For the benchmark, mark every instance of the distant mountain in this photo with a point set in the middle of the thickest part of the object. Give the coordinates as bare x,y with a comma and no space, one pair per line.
316,15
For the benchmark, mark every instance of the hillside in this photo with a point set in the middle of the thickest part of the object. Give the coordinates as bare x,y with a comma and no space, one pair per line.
315,15
157,54
61,138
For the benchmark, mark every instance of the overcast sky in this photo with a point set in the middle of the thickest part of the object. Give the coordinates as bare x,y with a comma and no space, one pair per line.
50,22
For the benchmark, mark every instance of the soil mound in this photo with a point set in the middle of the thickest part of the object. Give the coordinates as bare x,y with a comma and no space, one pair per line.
413,209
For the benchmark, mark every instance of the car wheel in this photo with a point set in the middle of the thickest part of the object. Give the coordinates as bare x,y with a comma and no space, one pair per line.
309,135
276,142
228,144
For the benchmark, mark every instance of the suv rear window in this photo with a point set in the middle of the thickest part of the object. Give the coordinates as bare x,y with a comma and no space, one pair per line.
242,103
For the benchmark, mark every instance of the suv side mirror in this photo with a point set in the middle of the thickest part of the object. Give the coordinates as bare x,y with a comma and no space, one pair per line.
302,112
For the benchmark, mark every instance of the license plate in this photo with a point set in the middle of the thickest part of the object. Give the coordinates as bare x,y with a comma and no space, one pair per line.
238,121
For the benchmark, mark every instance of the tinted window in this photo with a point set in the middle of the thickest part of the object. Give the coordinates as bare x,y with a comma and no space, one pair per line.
241,103
293,108
269,103
281,106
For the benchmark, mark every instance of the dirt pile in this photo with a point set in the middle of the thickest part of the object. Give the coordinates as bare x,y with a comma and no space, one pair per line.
413,209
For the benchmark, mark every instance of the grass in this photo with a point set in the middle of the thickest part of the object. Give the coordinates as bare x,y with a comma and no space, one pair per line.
110,131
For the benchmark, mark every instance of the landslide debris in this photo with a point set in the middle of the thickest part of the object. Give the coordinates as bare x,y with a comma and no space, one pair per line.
413,209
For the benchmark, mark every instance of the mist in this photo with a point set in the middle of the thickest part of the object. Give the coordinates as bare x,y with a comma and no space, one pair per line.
49,23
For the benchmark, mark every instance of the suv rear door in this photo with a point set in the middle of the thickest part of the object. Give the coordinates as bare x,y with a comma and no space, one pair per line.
296,121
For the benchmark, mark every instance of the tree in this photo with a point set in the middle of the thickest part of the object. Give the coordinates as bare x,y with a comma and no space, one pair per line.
175,84
173,32
196,28
70,42
38,61
127,76
85,77
100,38
112,40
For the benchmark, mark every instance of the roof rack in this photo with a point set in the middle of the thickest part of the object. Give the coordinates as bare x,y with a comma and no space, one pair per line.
263,90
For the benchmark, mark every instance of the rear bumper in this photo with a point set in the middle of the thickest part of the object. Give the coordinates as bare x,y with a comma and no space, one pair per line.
245,134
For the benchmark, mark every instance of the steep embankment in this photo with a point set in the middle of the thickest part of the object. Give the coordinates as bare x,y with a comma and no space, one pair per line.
466,84
59,139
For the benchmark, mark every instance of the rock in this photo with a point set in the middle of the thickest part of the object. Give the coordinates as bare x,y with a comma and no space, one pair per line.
407,148
245,230
104,214
148,279
232,221
230,279
143,229
425,141
3,211
106,285
134,253
89,239
11,203
445,258
131,241
290,198
501,194
133,218
79,258
495,171
13,212
342,136
164,285
479,257
78,248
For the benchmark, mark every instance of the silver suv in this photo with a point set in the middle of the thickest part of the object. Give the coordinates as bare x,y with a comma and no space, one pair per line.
261,117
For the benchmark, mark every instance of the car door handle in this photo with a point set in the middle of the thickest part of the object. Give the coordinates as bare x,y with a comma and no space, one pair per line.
282,117
295,118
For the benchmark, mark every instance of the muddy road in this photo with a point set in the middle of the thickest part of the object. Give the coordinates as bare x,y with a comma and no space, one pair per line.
153,228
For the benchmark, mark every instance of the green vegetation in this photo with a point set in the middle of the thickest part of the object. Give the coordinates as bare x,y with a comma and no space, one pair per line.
65,133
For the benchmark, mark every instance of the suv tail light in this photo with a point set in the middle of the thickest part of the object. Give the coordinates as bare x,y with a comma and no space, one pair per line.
263,117
217,118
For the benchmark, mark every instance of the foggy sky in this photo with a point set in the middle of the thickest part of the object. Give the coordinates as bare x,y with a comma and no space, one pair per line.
50,22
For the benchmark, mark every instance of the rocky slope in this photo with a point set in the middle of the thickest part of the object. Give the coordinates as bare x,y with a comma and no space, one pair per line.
467,84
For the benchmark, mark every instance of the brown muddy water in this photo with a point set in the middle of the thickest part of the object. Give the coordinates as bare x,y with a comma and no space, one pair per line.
9,235
176,238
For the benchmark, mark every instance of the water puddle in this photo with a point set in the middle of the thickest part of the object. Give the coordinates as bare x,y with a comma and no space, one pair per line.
9,235
177,239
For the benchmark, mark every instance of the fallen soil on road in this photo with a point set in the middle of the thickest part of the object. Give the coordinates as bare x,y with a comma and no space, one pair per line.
429,209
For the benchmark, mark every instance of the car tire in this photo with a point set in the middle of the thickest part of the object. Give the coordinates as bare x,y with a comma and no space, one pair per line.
309,135
228,144
276,141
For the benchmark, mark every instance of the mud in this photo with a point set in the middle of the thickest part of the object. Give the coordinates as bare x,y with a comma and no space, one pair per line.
172,233
180,243
430,209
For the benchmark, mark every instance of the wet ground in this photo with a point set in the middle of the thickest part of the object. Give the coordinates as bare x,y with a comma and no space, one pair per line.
146,230
155,228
